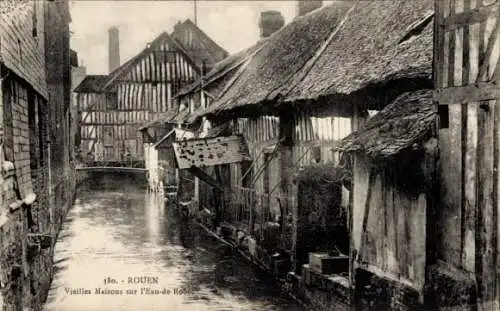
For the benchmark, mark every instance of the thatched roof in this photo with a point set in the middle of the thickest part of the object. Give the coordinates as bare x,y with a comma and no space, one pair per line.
222,69
13,6
379,41
338,49
403,124
282,57
92,84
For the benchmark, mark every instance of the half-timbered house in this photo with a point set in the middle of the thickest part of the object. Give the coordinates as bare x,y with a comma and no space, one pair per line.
139,91
136,92
371,54
394,181
196,97
466,271
91,102
257,193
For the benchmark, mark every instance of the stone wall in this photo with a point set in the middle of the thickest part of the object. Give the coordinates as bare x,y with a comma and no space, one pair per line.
29,217
379,293
450,289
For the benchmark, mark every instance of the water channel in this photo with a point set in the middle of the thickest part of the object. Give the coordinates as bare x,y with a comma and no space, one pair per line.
122,248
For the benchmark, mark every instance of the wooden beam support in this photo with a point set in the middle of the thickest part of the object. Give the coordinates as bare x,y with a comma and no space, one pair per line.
198,172
318,143
163,138
481,91
490,47
470,17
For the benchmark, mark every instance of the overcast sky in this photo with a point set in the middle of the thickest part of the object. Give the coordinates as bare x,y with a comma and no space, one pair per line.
232,24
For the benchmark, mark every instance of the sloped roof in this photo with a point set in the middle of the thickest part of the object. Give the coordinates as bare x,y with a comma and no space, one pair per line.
215,52
172,117
401,124
379,41
123,69
13,6
92,84
211,52
222,69
338,49
284,54
164,118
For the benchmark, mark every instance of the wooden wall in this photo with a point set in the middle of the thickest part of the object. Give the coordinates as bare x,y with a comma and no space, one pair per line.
110,121
109,133
261,135
388,225
195,101
315,135
467,49
153,81
23,44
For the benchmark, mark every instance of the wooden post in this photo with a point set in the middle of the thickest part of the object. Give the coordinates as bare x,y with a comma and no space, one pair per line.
2,128
358,120
466,54
288,186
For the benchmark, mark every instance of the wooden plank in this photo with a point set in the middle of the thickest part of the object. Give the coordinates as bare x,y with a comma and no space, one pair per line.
491,47
206,178
403,212
485,200
473,93
469,114
418,238
468,17
386,205
210,151
458,60
371,250
444,61
496,191
361,176
392,233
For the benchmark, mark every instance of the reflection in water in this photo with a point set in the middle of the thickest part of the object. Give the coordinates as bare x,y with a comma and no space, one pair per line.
116,234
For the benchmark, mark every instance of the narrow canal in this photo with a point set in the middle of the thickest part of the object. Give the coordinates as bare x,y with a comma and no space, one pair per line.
122,248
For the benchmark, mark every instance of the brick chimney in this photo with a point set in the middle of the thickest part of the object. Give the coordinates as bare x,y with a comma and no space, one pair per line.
114,48
270,22
306,6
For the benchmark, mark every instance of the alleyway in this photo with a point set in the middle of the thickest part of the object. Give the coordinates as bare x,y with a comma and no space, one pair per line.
126,232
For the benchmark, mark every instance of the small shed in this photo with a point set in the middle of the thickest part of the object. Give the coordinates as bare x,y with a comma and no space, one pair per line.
393,159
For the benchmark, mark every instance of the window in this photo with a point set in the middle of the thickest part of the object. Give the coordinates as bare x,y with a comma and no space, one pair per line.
111,102
444,118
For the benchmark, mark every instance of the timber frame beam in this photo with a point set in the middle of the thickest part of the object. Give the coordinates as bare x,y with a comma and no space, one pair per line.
474,93
470,17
